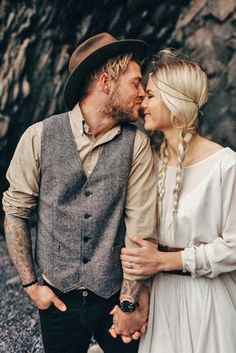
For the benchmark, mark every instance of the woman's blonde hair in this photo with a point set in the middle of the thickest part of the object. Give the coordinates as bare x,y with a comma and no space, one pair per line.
183,87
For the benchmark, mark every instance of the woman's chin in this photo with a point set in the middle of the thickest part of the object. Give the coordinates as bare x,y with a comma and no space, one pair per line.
147,126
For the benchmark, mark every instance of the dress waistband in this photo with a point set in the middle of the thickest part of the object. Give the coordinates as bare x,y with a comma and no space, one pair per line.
177,272
165,248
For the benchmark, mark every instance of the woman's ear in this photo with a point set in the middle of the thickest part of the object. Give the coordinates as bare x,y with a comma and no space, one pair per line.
104,83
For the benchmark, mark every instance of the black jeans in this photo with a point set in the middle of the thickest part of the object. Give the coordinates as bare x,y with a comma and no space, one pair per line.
87,315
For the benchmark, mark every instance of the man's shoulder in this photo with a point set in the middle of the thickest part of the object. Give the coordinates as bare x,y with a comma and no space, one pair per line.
142,134
141,145
33,130
139,134
141,137
36,129
55,117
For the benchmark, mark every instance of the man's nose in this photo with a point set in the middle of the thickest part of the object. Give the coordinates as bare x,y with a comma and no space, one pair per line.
141,92
144,102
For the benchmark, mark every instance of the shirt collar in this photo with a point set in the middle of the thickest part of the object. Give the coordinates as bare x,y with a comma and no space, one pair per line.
78,121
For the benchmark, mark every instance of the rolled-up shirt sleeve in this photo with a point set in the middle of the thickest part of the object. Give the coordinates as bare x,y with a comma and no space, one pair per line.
141,200
23,174
218,257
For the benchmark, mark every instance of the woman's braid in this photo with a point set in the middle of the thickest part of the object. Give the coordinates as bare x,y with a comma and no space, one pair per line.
184,139
164,158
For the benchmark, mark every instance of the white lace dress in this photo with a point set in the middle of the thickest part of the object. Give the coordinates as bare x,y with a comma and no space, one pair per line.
197,314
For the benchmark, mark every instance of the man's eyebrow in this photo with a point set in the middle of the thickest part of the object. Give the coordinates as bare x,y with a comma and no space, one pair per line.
138,78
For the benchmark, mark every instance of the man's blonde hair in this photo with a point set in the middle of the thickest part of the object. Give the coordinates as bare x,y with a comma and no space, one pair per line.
183,87
114,67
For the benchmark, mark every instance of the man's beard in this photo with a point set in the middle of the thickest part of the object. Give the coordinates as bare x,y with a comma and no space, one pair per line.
118,111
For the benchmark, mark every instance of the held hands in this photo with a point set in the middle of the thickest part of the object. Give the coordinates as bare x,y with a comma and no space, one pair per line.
131,325
144,260
43,297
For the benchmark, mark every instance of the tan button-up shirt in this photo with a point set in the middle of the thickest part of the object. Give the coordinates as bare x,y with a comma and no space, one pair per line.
24,175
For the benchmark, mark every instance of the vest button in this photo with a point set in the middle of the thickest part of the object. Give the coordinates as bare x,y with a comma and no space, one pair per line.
85,260
86,215
86,239
87,193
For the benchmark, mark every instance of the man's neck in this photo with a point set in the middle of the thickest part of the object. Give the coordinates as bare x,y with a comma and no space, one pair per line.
98,123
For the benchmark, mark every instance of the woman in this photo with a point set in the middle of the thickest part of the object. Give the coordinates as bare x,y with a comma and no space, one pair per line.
193,295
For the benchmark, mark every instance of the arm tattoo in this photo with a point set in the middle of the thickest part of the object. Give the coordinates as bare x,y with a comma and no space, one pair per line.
20,247
131,289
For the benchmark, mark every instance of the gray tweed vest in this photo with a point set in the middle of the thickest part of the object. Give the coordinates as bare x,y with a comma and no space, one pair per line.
81,225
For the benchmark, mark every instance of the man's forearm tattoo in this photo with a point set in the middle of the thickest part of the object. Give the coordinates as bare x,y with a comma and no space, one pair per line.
131,289
20,247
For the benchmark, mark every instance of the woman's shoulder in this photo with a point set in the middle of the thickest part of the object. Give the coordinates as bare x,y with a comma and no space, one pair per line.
207,147
228,158
211,150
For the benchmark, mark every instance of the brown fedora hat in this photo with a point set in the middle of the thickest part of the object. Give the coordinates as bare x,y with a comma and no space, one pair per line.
90,54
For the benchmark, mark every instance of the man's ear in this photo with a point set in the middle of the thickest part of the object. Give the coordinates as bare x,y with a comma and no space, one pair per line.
105,84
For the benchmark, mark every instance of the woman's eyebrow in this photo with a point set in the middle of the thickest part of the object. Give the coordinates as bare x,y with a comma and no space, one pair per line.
149,91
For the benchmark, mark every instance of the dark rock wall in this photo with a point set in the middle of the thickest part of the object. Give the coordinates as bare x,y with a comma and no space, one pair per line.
38,36
207,30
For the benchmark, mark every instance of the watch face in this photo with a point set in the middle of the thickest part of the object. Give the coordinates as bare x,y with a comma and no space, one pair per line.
128,306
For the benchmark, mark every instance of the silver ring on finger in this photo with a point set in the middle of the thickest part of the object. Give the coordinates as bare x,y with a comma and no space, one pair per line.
130,265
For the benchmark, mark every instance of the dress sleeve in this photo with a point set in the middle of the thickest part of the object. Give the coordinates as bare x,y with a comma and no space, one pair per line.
217,257
23,174
141,199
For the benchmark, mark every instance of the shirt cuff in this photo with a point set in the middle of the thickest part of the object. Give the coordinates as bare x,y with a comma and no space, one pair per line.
188,260
20,212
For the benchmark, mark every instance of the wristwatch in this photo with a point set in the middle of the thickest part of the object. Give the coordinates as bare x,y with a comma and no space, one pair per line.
127,306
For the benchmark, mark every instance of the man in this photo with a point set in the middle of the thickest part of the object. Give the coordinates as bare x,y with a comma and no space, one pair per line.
90,176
